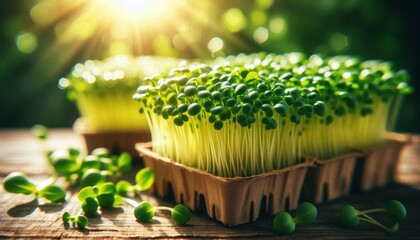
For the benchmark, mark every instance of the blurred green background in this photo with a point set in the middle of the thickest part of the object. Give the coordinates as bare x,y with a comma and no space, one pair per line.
40,41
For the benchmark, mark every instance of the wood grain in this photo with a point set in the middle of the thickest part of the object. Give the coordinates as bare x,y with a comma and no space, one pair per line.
22,217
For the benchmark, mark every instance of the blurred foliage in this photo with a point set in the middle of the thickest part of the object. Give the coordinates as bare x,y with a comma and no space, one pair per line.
42,40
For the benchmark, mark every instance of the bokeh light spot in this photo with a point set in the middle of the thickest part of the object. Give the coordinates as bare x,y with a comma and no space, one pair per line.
260,35
80,29
338,42
162,45
215,44
26,42
117,48
42,13
63,83
234,20
179,42
278,25
258,17
264,4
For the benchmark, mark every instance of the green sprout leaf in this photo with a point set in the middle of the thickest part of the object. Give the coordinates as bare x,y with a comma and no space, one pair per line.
405,89
63,162
145,178
66,217
190,91
16,182
144,212
251,76
349,216
194,109
124,162
81,221
181,214
320,108
123,187
283,224
106,200
90,206
305,213
91,162
118,200
85,193
92,177
40,131
107,188
53,193
100,152
395,210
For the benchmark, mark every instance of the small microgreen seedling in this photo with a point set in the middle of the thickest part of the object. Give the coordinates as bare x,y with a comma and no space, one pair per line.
40,132
144,180
17,182
285,224
144,212
395,210
78,221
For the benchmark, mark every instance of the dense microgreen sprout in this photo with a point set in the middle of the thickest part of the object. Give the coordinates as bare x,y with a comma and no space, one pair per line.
102,90
394,210
247,114
285,224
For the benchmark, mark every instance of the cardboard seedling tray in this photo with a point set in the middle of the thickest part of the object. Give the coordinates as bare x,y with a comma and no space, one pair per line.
115,141
333,178
238,200
330,179
232,201
377,166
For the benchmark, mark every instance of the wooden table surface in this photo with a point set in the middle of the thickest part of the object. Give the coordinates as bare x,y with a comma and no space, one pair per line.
22,217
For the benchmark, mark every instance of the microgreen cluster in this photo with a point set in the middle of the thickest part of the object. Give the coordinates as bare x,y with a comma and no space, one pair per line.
17,182
106,195
394,210
285,224
103,195
103,89
91,172
91,169
248,114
